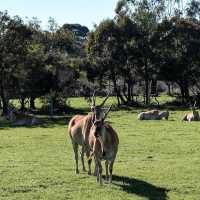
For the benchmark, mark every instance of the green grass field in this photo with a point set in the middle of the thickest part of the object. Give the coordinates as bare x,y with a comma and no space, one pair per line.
157,160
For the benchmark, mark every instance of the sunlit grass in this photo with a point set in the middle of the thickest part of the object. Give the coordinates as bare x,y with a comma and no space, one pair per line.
156,160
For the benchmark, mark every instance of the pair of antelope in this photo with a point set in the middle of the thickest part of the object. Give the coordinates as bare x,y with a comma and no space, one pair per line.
96,137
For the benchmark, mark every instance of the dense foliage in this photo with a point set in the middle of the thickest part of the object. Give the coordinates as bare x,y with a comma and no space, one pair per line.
127,55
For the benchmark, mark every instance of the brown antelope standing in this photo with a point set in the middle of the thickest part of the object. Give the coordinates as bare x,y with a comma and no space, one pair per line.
79,127
104,143
192,116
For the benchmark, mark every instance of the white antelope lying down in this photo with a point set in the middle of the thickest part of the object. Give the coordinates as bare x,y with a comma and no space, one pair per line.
104,143
153,115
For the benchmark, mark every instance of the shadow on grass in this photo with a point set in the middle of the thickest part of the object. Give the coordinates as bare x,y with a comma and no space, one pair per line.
140,188
47,121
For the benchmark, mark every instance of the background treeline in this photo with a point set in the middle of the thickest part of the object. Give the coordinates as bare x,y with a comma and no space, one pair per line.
146,44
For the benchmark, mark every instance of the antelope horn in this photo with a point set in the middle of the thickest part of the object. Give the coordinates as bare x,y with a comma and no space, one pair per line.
94,98
106,113
194,104
105,99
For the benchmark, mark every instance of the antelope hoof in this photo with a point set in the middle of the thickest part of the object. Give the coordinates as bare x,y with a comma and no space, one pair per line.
77,171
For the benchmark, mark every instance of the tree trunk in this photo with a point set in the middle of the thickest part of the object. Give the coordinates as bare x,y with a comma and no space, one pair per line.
147,92
32,103
146,76
184,90
4,101
129,90
169,89
118,101
22,101
117,91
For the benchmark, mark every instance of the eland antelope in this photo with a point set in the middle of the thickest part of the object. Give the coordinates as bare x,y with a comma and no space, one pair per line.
192,116
104,142
79,127
149,115
153,115
163,114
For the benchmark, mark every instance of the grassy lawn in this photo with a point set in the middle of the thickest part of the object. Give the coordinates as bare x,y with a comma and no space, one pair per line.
157,160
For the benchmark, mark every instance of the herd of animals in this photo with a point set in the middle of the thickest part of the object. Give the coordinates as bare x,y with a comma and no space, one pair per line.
158,115
100,141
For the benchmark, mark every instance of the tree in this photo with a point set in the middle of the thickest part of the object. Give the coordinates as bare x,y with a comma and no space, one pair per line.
145,14
13,42
104,49
178,47
193,9
80,34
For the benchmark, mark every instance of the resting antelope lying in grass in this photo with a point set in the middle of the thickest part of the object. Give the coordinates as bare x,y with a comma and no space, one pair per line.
153,115
79,127
163,114
149,115
192,116
104,142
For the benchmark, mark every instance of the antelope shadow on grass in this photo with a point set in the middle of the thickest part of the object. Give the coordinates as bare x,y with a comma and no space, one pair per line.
140,188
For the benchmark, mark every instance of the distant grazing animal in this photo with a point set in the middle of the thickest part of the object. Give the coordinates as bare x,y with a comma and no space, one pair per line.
104,142
163,114
79,127
149,115
192,116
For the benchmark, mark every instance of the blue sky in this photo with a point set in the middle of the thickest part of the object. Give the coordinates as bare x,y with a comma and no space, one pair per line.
85,12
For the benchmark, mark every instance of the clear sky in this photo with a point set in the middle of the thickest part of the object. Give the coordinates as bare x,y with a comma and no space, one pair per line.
85,12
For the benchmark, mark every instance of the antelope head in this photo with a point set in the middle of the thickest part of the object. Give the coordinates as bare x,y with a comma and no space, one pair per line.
98,129
98,110
193,107
195,112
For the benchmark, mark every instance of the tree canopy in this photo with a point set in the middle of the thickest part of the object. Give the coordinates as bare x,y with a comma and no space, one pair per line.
142,45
